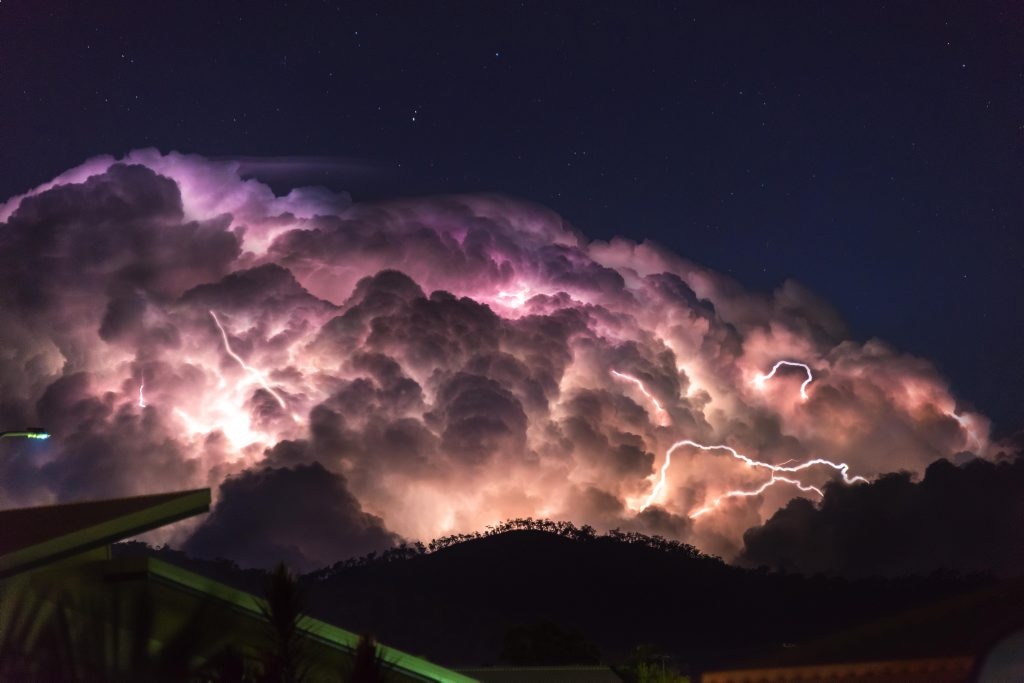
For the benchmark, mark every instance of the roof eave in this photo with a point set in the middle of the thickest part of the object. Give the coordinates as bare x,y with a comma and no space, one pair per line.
188,504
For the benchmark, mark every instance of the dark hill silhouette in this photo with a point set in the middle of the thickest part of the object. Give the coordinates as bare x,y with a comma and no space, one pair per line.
455,605
456,600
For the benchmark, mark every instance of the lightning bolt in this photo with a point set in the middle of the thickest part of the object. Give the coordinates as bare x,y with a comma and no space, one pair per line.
761,379
656,491
755,492
142,400
248,368
663,417
841,467
965,422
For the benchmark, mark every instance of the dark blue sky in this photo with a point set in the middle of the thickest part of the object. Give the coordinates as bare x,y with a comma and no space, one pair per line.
874,153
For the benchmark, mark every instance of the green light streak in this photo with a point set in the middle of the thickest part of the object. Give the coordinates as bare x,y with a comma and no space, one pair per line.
26,434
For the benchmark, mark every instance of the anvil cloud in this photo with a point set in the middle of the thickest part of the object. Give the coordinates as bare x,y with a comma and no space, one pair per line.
412,368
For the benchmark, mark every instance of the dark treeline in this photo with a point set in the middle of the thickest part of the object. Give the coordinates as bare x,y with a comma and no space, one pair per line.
251,579
564,529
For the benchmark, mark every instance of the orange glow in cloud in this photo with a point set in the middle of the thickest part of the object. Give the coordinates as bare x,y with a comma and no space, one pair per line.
420,349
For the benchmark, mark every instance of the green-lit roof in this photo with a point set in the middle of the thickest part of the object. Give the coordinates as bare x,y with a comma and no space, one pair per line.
313,629
36,537
39,535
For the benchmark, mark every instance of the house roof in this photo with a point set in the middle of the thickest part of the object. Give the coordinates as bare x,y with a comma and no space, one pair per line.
31,537
315,630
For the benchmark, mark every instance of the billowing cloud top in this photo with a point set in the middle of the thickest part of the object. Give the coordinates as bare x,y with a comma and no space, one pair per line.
419,367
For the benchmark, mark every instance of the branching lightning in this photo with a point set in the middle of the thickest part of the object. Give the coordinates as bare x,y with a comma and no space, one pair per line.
248,368
755,492
842,468
656,491
761,379
661,413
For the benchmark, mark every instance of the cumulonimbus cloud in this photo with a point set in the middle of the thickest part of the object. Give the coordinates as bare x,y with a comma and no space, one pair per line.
964,519
441,363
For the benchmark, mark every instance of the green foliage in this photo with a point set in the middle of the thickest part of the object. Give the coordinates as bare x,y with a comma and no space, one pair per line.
654,673
282,608
647,665
85,632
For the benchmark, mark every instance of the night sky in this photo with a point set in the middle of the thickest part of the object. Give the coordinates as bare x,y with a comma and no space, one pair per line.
874,154
562,251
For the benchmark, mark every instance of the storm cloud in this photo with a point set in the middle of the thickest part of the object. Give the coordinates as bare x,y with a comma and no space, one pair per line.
299,515
965,518
424,367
